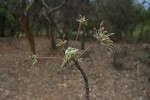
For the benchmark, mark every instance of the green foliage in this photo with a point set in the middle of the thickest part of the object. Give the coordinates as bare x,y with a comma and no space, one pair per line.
2,11
11,26
144,30
71,54
120,16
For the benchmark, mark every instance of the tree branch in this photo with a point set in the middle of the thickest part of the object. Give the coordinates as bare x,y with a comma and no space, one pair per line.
85,79
29,6
45,5
56,8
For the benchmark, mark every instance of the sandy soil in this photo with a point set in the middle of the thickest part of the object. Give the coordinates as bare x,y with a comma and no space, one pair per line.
19,80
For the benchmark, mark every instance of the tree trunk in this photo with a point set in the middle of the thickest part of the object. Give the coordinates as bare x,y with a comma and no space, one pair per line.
26,29
2,25
141,33
50,31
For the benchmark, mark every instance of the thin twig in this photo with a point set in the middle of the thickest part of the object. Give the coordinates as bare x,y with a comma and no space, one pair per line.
29,6
45,5
78,31
50,58
56,8
88,48
85,79
77,34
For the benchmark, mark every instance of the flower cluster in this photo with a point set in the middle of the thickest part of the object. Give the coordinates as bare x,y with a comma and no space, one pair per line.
74,54
34,58
82,20
61,42
70,55
103,36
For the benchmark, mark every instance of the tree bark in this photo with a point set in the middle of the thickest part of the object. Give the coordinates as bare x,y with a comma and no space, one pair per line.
51,32
2,25
85,79
26,29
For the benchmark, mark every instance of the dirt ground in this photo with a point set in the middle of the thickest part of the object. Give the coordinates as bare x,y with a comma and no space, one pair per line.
19,80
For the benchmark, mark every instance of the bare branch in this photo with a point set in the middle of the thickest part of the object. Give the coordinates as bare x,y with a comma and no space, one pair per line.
29,6
45,5
56,8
